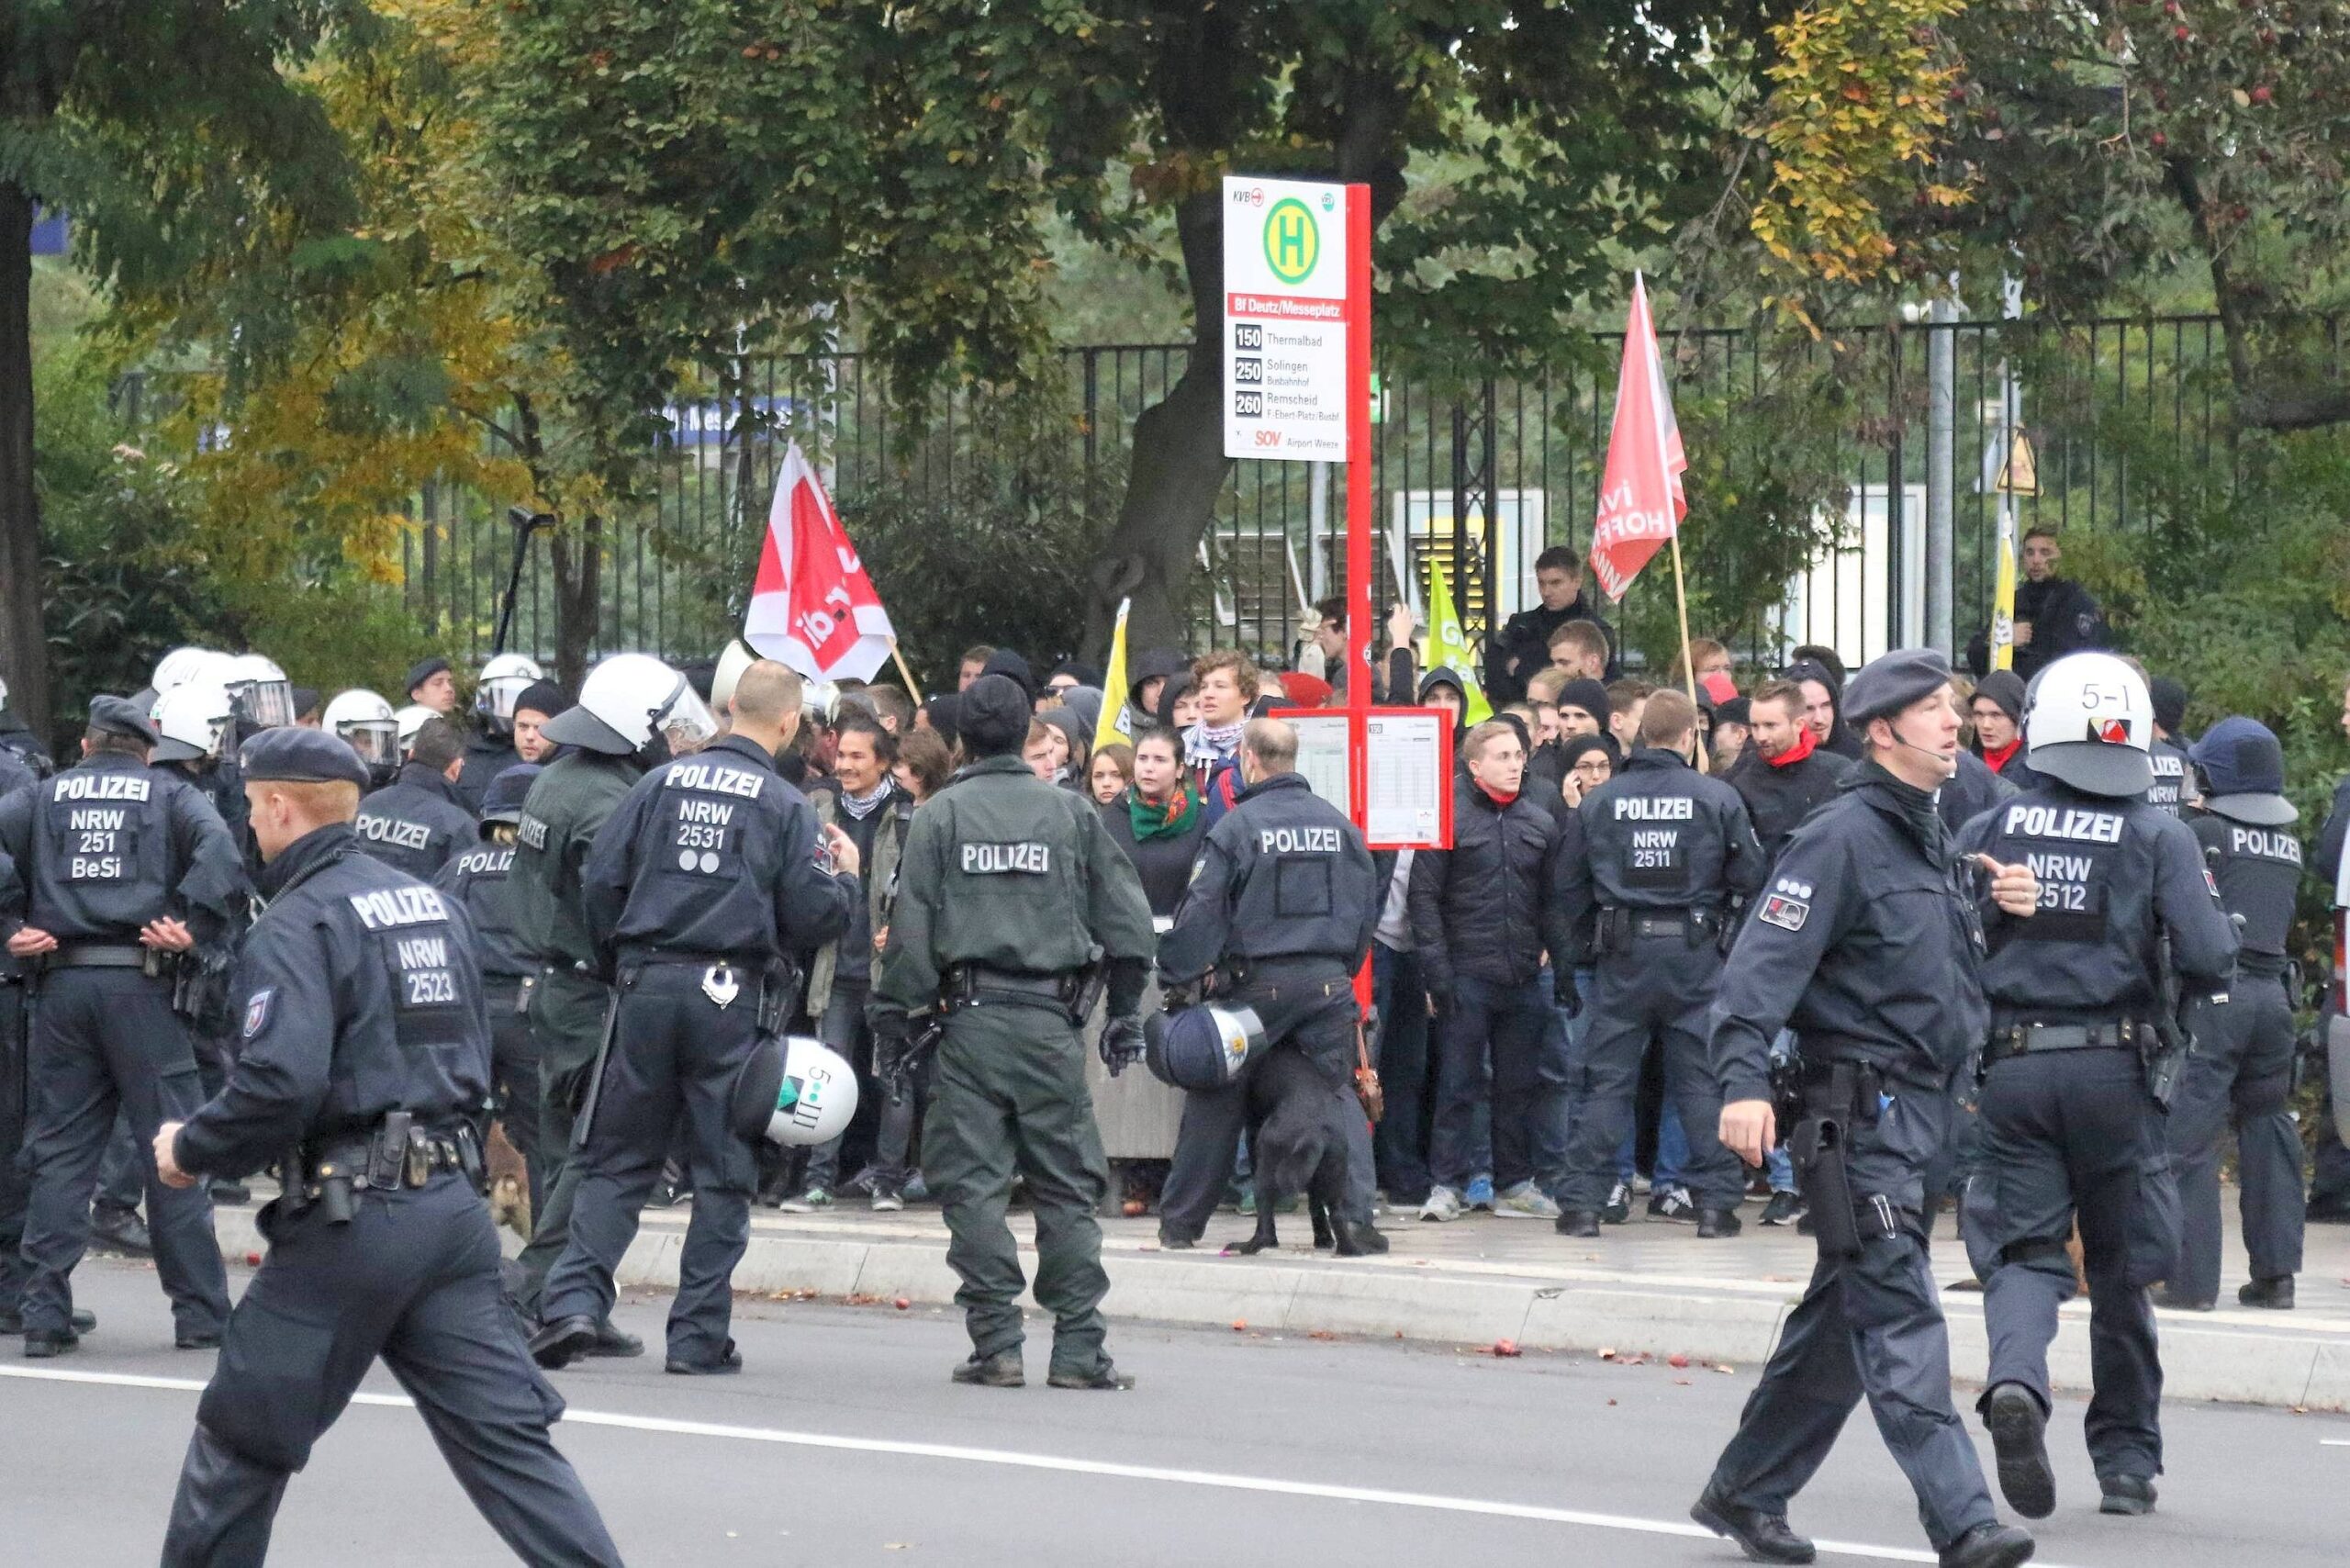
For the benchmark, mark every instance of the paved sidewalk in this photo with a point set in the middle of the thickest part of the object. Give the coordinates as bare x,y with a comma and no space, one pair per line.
1646,1288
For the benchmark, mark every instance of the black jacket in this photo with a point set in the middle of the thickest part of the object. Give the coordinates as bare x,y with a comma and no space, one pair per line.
1526,637
416,822
1281,875
1971,792
2065,620
1164,863
1494,903
1778,799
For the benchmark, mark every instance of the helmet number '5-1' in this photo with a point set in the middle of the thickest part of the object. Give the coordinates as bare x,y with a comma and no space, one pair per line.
2088,721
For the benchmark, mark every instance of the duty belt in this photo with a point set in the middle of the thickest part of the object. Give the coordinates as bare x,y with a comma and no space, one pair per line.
152,961
1623,924
396,1154
2033,1039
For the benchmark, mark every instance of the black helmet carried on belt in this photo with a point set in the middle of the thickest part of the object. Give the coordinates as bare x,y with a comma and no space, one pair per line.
1203,1047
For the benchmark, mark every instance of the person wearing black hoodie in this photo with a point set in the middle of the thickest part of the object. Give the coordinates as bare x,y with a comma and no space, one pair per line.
1823,698
1997,709
1784,777
1523,644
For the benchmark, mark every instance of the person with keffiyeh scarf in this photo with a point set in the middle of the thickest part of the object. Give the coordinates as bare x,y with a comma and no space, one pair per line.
1226,683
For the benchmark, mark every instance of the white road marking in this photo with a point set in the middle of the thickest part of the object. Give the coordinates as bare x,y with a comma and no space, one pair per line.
1011,1459
2333,1442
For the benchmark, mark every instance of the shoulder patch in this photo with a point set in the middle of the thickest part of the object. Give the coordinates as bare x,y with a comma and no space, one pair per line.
1784,911
257,1010
2211,882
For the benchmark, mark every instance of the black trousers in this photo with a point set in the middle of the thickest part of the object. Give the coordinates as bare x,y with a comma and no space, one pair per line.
675,1054
566,1022
2066,1136
14,1187
514,1077
105,1040
2242,1077
413,1278
1868,1328
1659,989
1307,1009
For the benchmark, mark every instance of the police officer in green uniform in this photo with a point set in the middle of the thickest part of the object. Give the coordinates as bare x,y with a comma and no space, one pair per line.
615,731
1011,896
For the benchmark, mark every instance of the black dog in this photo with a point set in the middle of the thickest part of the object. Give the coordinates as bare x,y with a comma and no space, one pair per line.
1298,1147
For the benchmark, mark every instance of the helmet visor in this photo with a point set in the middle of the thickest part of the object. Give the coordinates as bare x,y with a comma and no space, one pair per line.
375,739
495,698
266,704
686,722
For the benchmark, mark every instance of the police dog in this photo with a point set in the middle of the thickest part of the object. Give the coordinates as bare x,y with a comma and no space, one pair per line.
1299,1149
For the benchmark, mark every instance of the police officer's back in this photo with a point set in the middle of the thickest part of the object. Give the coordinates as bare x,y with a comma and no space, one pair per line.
109,873
2080,1056
1668,851
365,1063
2243,1069
417,822
476,879
1008,891
704,879
1280,909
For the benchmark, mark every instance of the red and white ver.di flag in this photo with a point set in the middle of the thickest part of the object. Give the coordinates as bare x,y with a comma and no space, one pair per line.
1640,499
812,608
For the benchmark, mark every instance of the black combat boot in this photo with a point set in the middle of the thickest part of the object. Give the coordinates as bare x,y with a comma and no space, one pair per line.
1714,1225
1002,1369
1763,1538
1576,1221
2016,1422
2126,1494
1989,1546
2276,1294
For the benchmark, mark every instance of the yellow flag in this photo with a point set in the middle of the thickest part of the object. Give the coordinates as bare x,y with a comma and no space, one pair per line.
1449,649
1111,725
2003,595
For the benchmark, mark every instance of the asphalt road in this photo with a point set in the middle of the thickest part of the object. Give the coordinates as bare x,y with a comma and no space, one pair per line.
843,1443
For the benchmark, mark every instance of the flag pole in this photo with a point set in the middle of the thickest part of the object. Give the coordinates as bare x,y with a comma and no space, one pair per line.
1688,661
913,687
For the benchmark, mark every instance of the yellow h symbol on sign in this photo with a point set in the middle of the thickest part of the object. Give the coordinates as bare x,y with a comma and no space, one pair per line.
1293,240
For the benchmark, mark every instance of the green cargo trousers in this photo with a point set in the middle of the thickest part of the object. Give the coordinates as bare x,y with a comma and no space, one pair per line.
1010,1097
567,1013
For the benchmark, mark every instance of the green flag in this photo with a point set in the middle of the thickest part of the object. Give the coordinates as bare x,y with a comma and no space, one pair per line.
1449,648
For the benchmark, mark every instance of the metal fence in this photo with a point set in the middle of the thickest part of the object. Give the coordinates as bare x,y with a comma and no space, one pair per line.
1484,477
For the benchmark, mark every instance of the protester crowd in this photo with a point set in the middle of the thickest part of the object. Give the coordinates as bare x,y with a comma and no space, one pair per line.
1541,986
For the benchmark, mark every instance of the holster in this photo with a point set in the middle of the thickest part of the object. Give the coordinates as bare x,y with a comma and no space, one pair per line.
1817,1149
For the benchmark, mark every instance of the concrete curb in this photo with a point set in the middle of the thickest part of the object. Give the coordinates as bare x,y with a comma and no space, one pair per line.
2251,1357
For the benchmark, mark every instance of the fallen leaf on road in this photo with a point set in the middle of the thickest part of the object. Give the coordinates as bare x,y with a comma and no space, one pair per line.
1681,1383
902,1304
1608,1352
1611,1404
1723,1367
252,1261
1240,1326
1506,1348
1676,1360
1321,1334
1550,1295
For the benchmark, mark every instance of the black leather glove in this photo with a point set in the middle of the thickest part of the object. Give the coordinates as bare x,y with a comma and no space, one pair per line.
1122,1043
1564,991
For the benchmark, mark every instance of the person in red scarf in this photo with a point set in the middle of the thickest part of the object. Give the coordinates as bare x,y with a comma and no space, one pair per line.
1784,774
1997,709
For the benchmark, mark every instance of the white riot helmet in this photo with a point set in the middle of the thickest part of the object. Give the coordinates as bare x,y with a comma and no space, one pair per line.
182,664
366,722
820,699
410,719
263,698
505,677
626,701
733,660
818,1096
2088,722
191,720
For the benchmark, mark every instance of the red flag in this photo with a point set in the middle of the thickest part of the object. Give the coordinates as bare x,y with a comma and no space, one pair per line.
813,607
1640,500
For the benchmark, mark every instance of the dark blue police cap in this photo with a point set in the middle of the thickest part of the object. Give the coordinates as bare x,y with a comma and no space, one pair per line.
1890,682
119,716
290,755
502,801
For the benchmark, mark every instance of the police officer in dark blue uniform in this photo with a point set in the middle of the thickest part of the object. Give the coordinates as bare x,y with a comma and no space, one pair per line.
363,1069
2241,1072
14,776
1867,942
699,885
2083,1052
109,873
476,879
1669,849
1278,918
416,821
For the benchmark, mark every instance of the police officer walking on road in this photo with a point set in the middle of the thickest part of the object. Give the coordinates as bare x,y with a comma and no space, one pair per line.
1278,919
1010,894
109,874
2242,1072
1867,942
1669,849
2084,1051
364,1063
698,886
615,731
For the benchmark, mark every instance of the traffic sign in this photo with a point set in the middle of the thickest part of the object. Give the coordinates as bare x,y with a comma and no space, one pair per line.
1286,319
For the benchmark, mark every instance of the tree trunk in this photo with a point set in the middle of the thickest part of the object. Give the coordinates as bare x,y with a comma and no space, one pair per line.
24,657
1177,466
577,551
